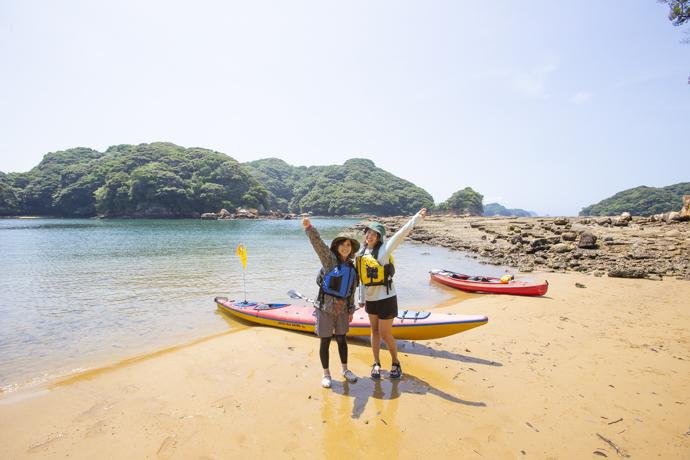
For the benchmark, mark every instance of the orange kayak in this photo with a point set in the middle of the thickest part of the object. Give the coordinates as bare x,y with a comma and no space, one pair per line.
409,325
488,284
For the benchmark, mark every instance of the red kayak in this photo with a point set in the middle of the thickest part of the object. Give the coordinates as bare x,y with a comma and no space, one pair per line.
488,284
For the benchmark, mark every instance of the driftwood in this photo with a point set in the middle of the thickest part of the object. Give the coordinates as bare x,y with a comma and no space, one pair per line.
618,450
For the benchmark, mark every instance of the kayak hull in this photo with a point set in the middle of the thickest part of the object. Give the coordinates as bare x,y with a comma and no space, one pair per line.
492,286
301,318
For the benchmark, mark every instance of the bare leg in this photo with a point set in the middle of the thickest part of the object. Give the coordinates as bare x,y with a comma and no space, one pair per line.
385,330
375,337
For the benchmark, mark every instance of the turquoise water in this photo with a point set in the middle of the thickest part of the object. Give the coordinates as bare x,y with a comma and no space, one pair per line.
81,293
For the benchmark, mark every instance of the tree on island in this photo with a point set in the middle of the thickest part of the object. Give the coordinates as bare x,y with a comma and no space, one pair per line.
465,201
9,199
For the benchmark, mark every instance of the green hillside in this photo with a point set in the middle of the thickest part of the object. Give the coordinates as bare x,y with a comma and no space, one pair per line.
641,201
165,180
355,187
146,180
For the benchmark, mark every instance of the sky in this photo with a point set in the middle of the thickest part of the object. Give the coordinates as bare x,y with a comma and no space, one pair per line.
540,105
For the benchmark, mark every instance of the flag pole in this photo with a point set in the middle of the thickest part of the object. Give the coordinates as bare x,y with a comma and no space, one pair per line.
242,253
244,283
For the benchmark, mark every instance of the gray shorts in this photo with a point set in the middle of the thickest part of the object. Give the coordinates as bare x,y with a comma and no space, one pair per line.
328,324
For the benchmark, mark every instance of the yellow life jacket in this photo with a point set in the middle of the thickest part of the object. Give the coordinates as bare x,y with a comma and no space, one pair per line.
371,272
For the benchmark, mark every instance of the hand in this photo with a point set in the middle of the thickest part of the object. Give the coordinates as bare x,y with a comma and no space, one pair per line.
350,316
306,222
422,213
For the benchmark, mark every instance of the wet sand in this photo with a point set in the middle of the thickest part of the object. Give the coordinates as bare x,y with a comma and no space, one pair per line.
565,376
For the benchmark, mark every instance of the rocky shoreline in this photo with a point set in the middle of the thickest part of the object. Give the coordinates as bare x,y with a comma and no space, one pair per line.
625,247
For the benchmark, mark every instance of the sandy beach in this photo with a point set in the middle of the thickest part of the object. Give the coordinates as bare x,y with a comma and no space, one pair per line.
579,373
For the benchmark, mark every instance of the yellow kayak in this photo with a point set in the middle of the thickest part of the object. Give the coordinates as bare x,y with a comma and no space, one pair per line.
409,325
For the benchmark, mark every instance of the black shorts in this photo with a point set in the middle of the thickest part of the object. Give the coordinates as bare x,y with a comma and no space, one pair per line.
384,309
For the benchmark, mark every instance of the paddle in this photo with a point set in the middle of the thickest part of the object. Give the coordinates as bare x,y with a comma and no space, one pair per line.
296,295
444,271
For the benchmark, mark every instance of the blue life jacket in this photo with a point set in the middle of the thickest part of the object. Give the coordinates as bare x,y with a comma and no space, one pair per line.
338,282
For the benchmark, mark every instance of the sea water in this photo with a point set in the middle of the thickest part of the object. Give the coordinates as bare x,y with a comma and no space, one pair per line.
77,293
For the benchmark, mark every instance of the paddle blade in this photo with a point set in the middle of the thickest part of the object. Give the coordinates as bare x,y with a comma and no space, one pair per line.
294,294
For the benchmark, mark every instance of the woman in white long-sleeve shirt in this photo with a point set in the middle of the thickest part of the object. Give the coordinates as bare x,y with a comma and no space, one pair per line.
377,291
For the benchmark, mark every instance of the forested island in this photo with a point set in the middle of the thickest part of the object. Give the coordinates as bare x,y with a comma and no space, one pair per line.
147,180
641,201
495,209
356,187
165,180
162,179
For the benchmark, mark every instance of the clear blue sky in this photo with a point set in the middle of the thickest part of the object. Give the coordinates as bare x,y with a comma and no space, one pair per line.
542,105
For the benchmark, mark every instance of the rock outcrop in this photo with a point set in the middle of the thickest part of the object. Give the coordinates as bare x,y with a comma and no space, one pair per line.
642,248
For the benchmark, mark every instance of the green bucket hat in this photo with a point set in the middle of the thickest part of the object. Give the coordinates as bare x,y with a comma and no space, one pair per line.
378,228
345,236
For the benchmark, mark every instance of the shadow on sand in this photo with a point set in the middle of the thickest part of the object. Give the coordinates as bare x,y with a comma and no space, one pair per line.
367,388
414,348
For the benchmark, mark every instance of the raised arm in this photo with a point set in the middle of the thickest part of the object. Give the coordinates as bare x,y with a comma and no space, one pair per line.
398,237
318,244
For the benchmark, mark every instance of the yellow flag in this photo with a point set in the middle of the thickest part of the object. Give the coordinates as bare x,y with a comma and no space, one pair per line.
242,253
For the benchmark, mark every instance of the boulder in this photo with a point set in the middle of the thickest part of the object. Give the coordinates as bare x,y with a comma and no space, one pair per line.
209,216
242,213
604,221
516,240
568,236
560,221
538,244
638,252
685,210
224,213
627,272
622,221
587,241
561,248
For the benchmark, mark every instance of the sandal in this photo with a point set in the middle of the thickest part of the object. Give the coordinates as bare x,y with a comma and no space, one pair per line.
376,371
396,371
